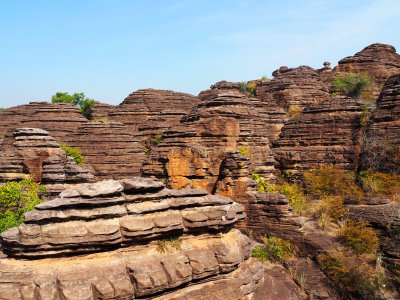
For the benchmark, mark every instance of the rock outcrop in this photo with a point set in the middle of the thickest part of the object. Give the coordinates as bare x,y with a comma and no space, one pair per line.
100,110
328,132
131,238
191,153
381,148
108,147
148,113
33,152
293,87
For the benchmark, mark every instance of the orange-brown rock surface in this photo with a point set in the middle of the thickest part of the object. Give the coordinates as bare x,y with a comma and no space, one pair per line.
328,132
117,235
148,113
298,87
191,153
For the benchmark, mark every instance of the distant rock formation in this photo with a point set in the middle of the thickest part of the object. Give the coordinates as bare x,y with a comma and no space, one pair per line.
298,87
381,147
191,153
328,132
118,238
100,110
33,152
148,113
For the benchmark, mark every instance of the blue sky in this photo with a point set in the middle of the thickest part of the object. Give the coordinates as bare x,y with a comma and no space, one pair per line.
108,49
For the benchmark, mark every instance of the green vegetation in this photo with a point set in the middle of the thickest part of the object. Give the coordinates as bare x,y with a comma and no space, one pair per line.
291,191
172,242
17,198
366,116
359,237
100,119
158,139
1,108
380,184
245,151
352,84
275,248
353,275
331,181
77,99
294,111
146,150
249,87
75,153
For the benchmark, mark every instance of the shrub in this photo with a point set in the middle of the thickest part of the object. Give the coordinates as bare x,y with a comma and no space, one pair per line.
331,181
17,198
352,84
326,210
158,139
249,87
146,150
260,253
358,236
291,191
1,108
366,116
243,87
381,184
75,153
172,242
245,151
279,249
353,275
78,99
294,111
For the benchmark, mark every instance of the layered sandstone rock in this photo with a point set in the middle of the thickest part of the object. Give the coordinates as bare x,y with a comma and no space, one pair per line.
381,148
148,113
110,151
328,132
142,240
33,152
379,61
191,153
293,87
100,110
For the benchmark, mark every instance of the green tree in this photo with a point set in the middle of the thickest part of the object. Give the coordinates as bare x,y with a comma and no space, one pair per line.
17,198
1,108
77,99
352,84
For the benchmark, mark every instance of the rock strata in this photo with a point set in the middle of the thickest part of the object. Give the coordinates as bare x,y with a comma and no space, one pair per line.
291,87
131,238
191,153
328,132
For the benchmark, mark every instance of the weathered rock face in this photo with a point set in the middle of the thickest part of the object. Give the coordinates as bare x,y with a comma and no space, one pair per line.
379,61
148,113
118,223
191,153
33,151
325,133
110,150
381,148
100,110
299,87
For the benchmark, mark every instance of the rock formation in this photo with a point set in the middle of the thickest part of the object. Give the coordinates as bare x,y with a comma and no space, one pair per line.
109,149
148,113
297,87
328,132
131,238
191,153
32,151
381,148
100,110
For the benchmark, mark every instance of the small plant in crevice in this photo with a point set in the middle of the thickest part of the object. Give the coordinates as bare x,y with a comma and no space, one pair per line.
172,242
17,198
100,119
276,249
145,150
158,139
294,111
75,153
366,116
245,151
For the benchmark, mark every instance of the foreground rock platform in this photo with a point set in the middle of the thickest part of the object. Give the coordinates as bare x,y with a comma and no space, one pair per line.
129,239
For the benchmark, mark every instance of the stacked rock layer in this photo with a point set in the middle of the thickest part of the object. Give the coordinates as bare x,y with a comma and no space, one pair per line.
128,239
